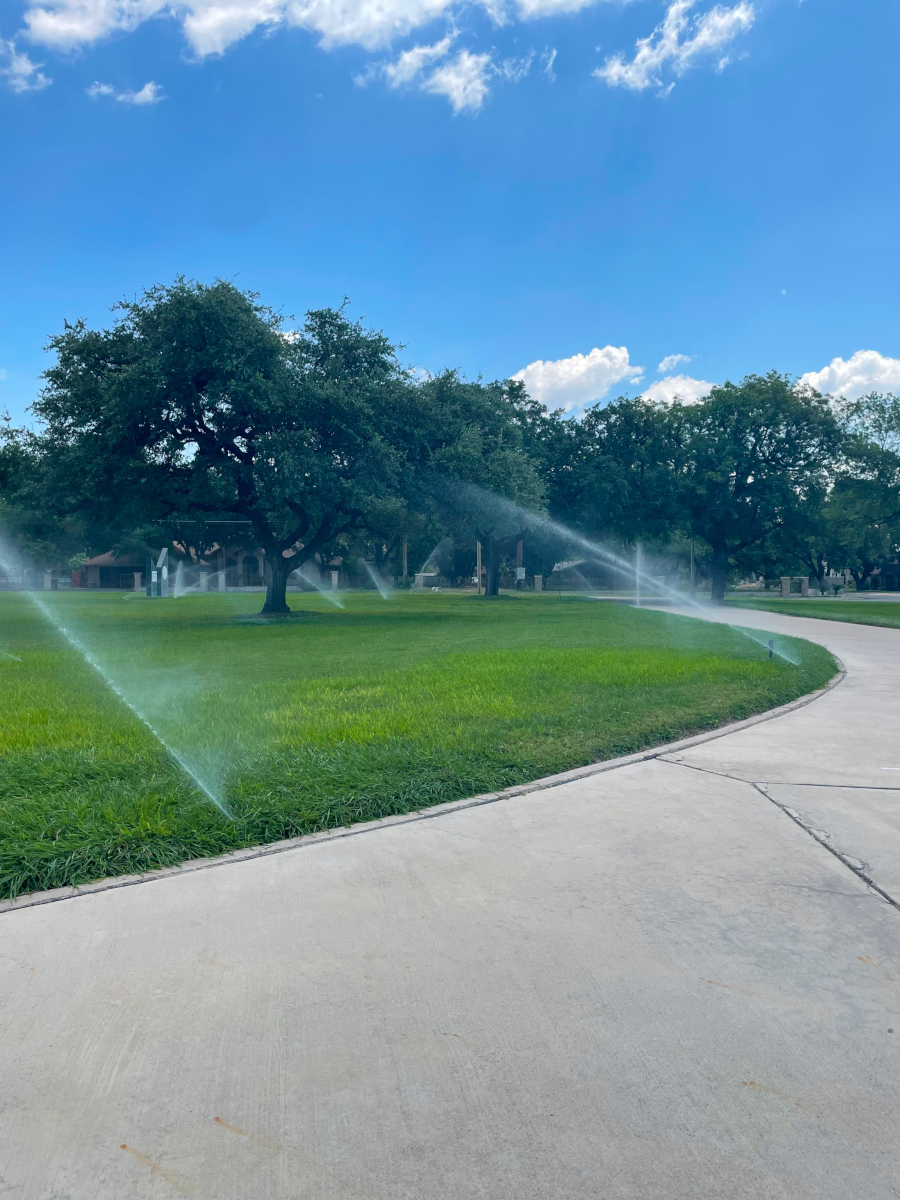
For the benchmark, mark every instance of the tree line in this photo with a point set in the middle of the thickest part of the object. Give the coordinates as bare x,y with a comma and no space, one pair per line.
198,405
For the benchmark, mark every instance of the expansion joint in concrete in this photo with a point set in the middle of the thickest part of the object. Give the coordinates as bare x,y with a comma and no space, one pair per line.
822,838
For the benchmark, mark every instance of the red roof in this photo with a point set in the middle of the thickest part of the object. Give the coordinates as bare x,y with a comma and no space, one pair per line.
109,560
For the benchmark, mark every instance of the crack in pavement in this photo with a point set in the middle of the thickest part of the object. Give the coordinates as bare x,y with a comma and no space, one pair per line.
819,835
859,787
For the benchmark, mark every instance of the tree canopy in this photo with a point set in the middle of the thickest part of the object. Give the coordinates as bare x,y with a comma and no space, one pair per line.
200,405
197,402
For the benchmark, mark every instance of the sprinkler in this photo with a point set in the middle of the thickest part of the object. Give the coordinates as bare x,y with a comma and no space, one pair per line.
771,647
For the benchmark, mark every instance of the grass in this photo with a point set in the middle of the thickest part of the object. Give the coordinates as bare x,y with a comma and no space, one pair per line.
330,717
858,612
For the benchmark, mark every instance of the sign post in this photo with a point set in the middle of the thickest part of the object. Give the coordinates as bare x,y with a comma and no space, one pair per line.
158,575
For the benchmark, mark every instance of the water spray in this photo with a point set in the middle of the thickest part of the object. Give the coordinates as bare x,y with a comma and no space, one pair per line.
383,589
622,565
89,658
329,596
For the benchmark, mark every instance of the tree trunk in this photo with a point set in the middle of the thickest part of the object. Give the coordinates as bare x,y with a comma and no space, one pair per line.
492,564
277,571
819,572
860,577
719,572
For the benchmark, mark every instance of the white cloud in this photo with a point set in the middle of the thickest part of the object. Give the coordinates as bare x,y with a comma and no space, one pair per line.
514,70
211,26
150,93
865,371
21,74
529,9
570,383
464,80
680,387
68,24
408,66
671,361
665,46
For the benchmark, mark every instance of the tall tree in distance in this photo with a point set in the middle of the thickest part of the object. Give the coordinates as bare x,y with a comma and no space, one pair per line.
750,460
863,507
474,466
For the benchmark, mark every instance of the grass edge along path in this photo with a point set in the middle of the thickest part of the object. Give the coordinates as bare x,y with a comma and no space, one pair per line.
374,711
882,613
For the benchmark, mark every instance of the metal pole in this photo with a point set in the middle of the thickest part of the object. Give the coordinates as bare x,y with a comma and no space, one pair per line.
637,576
478,565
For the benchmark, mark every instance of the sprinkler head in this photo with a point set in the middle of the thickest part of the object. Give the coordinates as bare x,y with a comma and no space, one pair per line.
771,647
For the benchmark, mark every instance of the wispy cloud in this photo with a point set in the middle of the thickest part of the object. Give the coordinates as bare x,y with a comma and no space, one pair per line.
671,361
443,67
464,80
408,67
150,93
676,44
514,70
20,73
211,26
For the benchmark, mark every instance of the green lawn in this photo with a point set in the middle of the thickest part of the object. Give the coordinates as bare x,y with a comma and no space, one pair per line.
857,612
332,716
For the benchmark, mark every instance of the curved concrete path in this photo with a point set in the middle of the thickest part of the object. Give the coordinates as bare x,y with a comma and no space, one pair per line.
651,984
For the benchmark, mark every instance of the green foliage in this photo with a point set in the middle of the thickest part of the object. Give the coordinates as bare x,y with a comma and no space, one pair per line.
332,717
478,474
196,403
751,461
196,406
862,517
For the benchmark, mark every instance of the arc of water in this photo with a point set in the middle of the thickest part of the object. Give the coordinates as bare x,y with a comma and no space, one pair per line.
331,597
76,643
383,589
537,520
90,659
639,575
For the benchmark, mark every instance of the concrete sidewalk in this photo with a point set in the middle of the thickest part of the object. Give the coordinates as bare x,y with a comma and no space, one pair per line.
651,984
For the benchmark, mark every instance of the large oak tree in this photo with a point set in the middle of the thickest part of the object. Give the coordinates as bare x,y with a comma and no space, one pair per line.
197,402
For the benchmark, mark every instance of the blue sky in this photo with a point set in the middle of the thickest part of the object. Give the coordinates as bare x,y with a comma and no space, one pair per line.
506,186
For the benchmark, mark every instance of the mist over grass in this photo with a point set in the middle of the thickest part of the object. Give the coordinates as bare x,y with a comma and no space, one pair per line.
331,716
